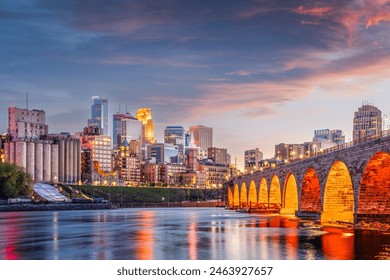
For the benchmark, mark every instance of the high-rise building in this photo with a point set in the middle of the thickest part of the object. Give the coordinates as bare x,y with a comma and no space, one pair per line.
329,137
99,114
367,122
145,116
203,138
163,153
175,135
252,159
99,147
126,127
24,123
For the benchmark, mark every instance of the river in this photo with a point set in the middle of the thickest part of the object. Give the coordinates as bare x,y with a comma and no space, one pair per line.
178,234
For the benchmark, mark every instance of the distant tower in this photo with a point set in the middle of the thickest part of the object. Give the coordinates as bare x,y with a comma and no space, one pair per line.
99,114
175,135
367,121
203,138
145,116
126,127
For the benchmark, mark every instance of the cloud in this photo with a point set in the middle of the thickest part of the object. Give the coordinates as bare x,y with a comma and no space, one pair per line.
313,11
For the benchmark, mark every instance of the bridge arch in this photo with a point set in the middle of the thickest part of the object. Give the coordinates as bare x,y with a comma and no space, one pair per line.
230,197
338,204
263,191
310,192
374,194
252,193
290,195
236,196
274,191
243,195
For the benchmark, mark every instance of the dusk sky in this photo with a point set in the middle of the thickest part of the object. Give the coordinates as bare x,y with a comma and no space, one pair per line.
259,72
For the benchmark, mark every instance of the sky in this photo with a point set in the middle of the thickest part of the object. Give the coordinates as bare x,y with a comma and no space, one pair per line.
260,72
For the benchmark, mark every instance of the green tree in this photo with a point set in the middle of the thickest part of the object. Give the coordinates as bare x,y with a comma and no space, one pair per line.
14,181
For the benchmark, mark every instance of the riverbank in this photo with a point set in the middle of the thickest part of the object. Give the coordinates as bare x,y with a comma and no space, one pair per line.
54,207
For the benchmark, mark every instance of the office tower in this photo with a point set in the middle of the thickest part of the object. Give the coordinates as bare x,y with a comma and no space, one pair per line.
145,116
367,121
203,138
329,137
126,128
252,158
99,114
175,135
163,153
24,123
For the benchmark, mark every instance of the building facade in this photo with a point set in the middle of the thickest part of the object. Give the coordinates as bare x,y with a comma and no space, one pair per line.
289,151
24,123
203,138
163,153
126,128
218,155
367,122
175,135
251,159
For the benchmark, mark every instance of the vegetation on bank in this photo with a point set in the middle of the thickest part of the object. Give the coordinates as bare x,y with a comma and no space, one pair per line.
14,181
149,195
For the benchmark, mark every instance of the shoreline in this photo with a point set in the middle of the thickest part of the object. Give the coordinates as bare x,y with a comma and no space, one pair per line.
54,207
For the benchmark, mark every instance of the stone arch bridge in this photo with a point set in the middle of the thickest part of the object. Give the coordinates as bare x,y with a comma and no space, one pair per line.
348,183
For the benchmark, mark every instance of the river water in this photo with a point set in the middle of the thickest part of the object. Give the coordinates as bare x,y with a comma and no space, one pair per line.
178,234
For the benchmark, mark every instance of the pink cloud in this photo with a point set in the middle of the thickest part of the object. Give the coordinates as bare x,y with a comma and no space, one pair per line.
313,11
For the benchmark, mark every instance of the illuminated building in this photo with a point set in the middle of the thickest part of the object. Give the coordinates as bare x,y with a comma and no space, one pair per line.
99,114
145,116
367,121
175,135
98,147
126,127
128,165
289,151
252,159
216,174
24,123
203,138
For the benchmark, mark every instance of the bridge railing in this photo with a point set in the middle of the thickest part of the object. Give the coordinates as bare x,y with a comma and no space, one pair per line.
384,133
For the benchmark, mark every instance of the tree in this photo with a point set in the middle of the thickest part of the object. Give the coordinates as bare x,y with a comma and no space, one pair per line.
14,181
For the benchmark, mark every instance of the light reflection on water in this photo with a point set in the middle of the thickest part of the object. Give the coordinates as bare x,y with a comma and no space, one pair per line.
189,233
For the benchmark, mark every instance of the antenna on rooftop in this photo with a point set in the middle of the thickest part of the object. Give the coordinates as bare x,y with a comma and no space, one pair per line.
27,100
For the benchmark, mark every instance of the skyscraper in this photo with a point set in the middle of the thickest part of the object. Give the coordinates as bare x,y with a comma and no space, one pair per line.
203,138
367,121
126,127
175,135
145,116
99,114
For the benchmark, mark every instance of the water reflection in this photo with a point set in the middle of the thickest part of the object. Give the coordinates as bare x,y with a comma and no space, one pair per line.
208,233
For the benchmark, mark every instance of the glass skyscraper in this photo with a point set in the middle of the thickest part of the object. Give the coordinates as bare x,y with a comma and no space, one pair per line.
175,135
99,114
126,127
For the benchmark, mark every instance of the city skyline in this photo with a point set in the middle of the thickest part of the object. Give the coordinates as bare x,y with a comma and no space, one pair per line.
233,67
